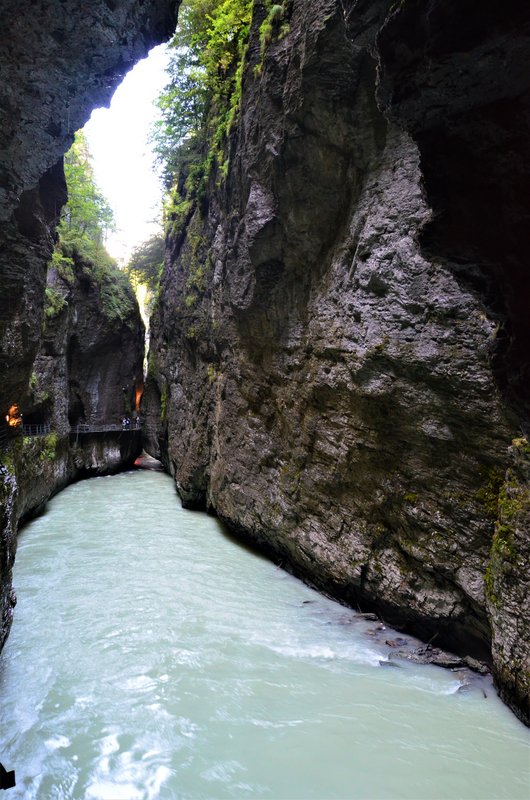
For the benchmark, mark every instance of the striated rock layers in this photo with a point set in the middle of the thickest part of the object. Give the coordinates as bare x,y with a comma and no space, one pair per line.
339,358
59,59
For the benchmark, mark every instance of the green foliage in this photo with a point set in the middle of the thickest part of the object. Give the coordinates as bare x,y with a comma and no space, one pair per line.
146,262
55,303
512,509
200,103
49,450
87,216
7,466
176,213
488,494
198,269
85,221
489,584
271,26
521,445
163,403
502,550
63,266
117,299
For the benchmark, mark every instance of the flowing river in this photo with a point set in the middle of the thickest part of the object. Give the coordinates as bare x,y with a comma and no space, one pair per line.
151,656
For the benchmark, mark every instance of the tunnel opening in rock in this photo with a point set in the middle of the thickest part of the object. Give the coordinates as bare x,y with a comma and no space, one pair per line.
38,416
76,411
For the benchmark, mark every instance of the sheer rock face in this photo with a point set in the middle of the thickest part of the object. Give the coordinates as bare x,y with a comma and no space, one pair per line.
345,390
89,366
466,99
59,59
8,489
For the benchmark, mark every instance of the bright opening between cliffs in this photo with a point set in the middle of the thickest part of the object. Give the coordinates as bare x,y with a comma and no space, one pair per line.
123,160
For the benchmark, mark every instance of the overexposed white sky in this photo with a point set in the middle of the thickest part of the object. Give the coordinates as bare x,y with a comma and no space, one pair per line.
122,159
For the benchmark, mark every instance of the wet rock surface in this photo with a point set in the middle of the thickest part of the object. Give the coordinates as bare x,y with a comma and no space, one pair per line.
471,674
8,488
345,391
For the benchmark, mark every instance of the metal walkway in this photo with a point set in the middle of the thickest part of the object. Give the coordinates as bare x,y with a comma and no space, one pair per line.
133,425
36,430
8,435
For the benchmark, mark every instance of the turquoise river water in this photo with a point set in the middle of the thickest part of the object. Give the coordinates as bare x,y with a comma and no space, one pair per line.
151,656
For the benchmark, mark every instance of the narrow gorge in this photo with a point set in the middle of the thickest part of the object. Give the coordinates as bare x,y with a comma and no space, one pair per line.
71,337
339,356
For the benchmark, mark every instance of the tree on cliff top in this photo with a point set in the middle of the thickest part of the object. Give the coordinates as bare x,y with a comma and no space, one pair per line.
201,99
85,221
144,270
87,216
146,262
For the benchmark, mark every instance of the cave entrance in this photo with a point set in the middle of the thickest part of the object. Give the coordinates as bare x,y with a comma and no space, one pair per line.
37,417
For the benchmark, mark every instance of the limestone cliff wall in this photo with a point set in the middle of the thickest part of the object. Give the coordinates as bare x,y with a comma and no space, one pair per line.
345,388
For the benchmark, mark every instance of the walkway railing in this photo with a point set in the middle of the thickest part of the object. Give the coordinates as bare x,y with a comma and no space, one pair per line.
124,427
36,430
43,429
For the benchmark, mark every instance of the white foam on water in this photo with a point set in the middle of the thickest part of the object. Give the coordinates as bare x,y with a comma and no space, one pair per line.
109,744
222,771
127,775
155,782
109,790
267,723
85,701
321,652
57,742
188,728
140,683
186,657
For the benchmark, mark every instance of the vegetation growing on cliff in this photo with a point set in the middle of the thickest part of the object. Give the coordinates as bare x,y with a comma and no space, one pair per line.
146,262
55,303
87,217
201,100
84,224
271,25
145,269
